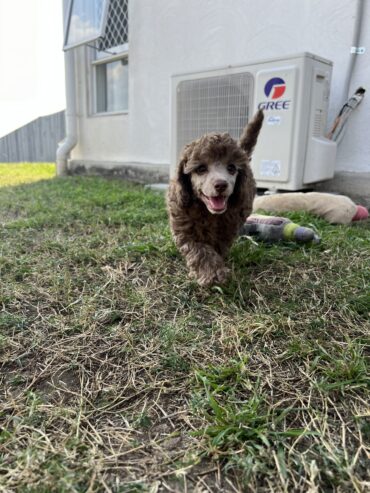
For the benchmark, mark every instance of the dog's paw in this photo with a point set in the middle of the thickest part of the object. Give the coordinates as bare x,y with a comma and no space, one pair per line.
220,276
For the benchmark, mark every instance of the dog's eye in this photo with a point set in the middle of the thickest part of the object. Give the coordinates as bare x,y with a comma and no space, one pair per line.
231,168
201,169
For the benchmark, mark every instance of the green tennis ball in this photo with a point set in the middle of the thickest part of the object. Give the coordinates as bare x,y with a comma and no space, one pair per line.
288,231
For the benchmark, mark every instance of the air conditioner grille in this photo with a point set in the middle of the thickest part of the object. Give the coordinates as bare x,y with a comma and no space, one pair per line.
213,104
318,124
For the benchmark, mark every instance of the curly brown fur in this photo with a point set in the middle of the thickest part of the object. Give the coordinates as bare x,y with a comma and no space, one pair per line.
210,198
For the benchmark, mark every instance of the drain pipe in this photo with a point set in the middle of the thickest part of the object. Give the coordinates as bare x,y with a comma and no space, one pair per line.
66,145
354,49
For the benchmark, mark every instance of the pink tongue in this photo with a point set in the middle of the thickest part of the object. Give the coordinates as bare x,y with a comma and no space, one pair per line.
217,203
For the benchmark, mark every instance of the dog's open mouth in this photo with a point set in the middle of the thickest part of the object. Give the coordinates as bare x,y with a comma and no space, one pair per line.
215,205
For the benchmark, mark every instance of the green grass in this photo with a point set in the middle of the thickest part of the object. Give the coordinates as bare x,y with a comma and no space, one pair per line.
118,373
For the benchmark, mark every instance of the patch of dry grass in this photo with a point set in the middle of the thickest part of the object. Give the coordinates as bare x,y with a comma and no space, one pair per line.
119,374
12,174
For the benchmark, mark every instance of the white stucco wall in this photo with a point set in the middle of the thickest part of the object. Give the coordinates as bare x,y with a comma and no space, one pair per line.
100,138
175,36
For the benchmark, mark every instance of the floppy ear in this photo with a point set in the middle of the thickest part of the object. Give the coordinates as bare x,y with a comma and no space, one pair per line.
249,136
245,186
185,189
244,192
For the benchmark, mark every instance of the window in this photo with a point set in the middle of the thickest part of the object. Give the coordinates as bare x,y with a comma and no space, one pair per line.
112,86
104,24
110,66
116,31
86,22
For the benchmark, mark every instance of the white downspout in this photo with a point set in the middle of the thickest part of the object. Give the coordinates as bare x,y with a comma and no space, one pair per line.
355,44
66,145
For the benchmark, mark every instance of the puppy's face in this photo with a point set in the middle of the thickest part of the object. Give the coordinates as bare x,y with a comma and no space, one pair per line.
213,167
213,183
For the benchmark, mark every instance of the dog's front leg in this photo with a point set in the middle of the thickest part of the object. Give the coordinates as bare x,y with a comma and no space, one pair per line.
204,263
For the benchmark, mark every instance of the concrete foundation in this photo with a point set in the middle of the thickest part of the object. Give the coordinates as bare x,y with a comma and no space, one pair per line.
354,185
135,172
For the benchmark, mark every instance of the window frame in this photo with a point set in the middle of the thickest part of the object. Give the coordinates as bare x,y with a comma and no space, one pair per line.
101,58
103,24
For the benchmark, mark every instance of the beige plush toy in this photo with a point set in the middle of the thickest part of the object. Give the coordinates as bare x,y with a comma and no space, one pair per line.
336,209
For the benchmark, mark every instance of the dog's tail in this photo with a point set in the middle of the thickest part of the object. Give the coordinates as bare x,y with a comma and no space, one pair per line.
250,134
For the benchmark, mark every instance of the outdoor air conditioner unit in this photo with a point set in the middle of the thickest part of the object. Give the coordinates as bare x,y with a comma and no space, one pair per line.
292,152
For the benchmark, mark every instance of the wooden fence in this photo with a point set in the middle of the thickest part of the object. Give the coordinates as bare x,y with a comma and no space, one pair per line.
35,142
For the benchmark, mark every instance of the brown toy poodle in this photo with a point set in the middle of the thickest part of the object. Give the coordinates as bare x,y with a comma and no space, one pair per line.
210,198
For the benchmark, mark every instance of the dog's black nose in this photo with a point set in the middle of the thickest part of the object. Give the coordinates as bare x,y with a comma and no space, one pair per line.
220,186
